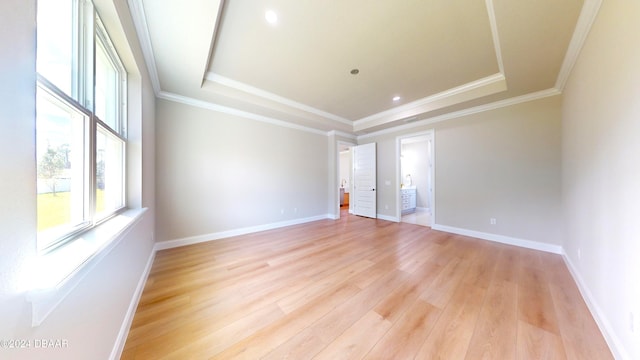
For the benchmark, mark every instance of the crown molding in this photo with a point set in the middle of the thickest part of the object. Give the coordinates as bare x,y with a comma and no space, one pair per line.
237,85
587,17
454,115
470,111
235,112
449,97
139,17
342,134
493,22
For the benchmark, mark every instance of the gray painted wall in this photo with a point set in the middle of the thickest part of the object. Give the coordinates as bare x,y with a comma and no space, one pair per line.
502,164
601,171
219,172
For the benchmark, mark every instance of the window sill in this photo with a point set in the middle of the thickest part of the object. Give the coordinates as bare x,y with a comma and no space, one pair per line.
57,273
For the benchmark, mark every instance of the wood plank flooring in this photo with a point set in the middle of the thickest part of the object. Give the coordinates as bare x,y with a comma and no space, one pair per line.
360,288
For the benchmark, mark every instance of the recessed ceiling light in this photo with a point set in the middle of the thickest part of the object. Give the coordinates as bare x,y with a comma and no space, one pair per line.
396,98
271,17
354,71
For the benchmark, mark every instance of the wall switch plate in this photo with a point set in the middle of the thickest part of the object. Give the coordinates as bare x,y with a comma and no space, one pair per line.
492,221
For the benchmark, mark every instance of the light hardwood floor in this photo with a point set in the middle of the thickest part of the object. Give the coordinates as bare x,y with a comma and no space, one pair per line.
361,288
419,217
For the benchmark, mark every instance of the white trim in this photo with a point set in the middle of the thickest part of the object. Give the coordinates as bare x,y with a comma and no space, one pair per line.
342,134
169,244
494,33
235,112
334,184
429,135
529,244
388,218
587,17
139,18
118,347
614,343
433,179
458,90
45,297
470,111
237,85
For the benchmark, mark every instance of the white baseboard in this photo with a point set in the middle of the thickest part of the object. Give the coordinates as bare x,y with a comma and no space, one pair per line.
168,244
116,353
529,244
605,327
388,218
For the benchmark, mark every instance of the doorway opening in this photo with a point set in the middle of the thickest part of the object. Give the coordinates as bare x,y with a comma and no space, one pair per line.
343,204
416,178
344,175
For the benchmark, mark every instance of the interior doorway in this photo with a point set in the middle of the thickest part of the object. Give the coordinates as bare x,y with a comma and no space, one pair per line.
344,175
416,178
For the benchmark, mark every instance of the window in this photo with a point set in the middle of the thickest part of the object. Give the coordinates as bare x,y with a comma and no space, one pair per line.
80,122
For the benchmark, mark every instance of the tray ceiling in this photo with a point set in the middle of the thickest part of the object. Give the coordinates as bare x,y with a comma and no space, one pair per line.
438,56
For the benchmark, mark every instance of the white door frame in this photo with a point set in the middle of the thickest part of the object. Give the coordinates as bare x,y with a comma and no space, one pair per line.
336,206
432,197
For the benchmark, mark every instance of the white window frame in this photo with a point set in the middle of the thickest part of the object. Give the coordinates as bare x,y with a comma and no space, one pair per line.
87,31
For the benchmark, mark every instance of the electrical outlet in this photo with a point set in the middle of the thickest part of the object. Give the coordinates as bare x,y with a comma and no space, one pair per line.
632,325
282,211
386,207
493,221
295,210
579,254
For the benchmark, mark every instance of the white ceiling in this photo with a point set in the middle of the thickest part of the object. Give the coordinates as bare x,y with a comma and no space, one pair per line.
441,57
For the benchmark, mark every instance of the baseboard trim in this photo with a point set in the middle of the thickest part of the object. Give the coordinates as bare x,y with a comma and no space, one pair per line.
529,244
169,244
605,327
121,340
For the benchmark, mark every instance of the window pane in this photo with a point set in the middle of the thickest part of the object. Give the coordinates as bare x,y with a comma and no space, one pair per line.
61,166
55,42
106,88
109,173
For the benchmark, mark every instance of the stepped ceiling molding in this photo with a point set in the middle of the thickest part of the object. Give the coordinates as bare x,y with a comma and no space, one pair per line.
442,58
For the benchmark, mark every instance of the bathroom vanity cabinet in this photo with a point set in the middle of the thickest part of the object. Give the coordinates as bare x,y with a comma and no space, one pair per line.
408,200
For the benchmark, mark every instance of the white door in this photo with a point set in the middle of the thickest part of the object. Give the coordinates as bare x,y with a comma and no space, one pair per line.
364,180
